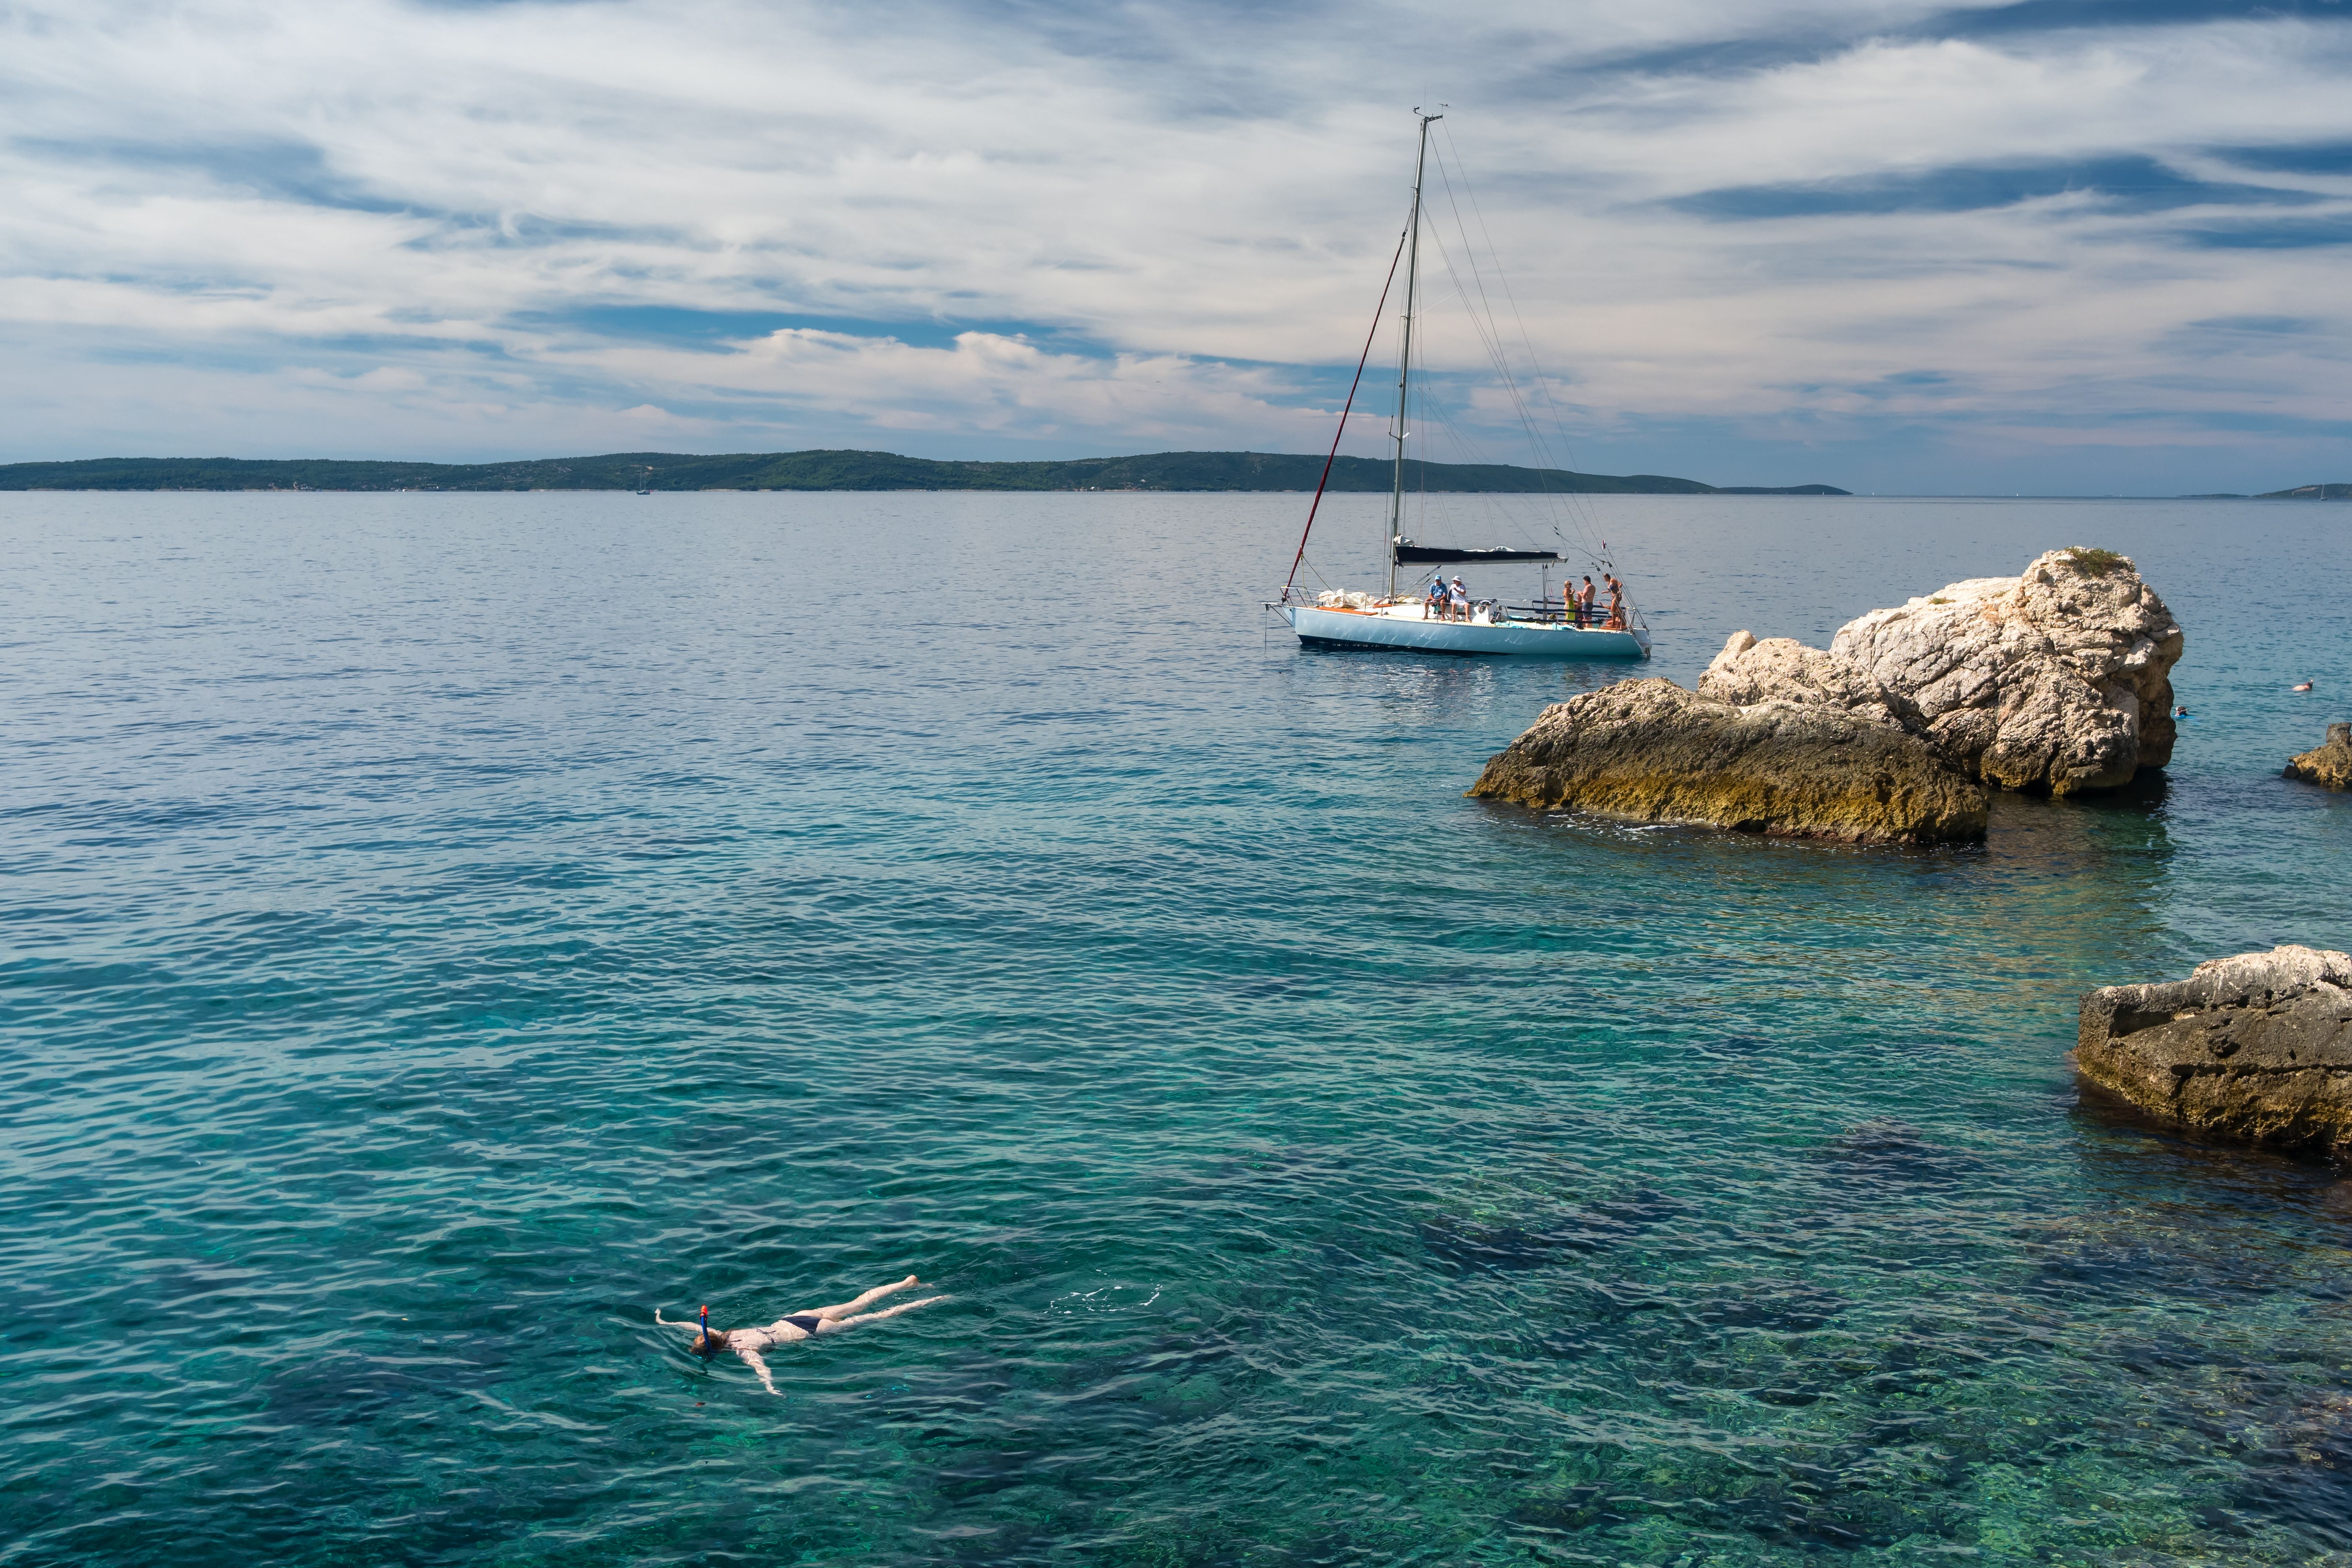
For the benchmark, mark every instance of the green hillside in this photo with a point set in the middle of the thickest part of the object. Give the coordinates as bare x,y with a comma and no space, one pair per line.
835,471
2310,492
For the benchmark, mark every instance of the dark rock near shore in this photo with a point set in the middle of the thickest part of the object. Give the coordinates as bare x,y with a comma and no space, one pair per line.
2330,765
2255,1048
1648,751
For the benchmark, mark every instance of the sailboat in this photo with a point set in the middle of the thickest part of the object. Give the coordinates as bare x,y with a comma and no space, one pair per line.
1337,618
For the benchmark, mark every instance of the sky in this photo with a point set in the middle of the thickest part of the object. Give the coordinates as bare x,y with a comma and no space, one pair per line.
2059,246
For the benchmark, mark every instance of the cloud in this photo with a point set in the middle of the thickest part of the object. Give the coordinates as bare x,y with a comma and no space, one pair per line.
961,229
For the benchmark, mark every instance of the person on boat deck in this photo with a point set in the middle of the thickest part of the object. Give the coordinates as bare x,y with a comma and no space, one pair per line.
1432,608
791,1326
1584,602
1459,601
1616,603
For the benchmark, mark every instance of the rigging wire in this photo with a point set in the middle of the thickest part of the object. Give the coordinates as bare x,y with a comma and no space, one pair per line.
1492,340
1570,504
1579,510
1334,456
1490,337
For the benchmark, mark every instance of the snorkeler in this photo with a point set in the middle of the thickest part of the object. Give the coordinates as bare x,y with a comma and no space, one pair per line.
793,1326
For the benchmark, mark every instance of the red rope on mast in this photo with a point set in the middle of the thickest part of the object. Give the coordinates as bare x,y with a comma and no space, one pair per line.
1361,359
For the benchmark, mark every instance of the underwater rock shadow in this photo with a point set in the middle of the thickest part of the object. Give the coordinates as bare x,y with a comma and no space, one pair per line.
1464,1244
1777,1308
352,1389
1894,1157
2301,1478
1604,1323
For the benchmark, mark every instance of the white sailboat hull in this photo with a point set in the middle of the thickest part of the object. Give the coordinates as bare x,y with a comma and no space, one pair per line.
1401,627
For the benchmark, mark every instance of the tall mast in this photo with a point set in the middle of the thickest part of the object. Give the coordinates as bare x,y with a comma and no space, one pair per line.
1397,432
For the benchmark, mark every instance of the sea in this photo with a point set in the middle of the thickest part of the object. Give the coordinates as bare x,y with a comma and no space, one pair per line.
443,930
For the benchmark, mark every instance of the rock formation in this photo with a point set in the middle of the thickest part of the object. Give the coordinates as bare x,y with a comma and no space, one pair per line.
1649,751
2255,1048
2058,679
1782,670
2330,765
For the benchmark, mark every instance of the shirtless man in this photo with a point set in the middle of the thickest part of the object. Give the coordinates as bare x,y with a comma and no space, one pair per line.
791,1326
1584,602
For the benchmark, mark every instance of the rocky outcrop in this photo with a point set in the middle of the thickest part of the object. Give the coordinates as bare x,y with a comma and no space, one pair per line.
1648,751
2058,679
2255,1048
2330,765
1782,670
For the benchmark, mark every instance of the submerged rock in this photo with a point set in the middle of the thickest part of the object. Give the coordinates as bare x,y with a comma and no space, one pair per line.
1465,1244
2255,1048
2330,765
1648,751
2057,679
1893,1157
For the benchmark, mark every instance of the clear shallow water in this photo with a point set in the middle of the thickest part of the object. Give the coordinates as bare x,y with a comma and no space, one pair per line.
442,929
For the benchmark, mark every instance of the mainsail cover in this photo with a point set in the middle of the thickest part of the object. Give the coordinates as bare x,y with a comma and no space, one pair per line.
1408,553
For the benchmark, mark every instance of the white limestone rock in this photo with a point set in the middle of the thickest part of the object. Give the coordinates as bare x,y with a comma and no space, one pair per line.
2056,679
1782,670
2059,678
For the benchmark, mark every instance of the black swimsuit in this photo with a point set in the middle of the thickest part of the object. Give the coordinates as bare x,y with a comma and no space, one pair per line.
805,1323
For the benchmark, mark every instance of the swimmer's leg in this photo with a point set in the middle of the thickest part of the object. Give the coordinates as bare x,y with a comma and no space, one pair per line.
834,1325
865,1300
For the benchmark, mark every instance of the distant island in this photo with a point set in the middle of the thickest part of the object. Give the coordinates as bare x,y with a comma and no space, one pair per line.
2305,492
826,470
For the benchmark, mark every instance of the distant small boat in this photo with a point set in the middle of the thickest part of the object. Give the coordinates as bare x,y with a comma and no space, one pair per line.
1342,619
645,484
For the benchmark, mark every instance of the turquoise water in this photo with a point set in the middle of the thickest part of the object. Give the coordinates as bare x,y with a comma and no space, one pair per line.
443,929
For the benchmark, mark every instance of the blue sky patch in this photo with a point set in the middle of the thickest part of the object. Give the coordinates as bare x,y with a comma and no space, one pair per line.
2279,234
2126,184
2051,16
2307,158
284,171
680,326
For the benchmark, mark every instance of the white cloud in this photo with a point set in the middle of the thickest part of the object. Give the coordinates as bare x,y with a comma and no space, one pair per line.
259,189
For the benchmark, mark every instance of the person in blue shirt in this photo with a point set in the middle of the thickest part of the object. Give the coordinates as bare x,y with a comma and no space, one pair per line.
1433,606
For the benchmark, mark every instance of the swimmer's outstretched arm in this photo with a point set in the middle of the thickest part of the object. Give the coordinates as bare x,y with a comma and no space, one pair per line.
865,1300
758,1365
690,1325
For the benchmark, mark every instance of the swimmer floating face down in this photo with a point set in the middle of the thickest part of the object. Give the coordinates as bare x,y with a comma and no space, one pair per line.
793,1326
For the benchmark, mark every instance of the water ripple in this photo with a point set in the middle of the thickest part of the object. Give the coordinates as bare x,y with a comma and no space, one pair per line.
444,930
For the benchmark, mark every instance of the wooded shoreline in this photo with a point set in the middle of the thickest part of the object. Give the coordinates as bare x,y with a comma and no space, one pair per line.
846,470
